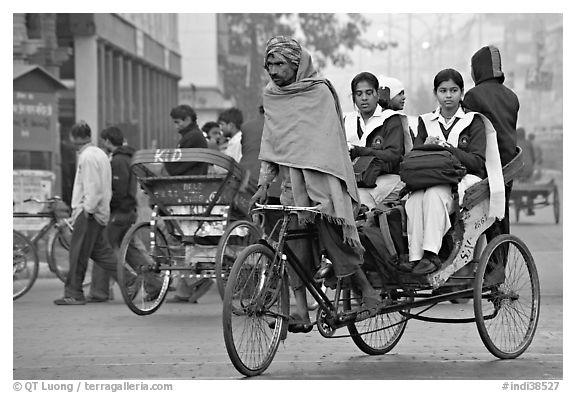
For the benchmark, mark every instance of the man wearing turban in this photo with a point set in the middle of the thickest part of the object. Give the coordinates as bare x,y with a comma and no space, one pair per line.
304,145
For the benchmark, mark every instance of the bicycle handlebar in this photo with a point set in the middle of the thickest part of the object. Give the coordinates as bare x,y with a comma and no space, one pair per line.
49,200
312,209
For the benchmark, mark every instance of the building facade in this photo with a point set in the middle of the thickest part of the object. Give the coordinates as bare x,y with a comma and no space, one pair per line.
120,69
202,85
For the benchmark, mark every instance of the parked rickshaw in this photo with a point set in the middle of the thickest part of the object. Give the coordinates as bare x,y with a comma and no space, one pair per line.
503,284
529,195
197,225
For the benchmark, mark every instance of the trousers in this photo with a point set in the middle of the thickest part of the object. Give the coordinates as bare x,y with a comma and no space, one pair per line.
88,242
119,224
428,216
387,188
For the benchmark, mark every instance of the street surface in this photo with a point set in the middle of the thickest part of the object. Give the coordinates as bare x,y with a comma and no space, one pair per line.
184,341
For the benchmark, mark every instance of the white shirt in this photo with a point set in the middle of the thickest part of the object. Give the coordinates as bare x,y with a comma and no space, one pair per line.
234,148
93,184
351,126
447,124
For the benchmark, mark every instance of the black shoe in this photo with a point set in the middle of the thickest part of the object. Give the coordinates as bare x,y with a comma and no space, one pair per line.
407,266
69,301
429,264
92,299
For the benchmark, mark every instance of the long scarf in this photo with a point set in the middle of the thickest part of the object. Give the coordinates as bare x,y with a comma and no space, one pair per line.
303,130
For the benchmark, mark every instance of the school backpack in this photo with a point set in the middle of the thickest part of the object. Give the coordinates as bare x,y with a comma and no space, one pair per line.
430,165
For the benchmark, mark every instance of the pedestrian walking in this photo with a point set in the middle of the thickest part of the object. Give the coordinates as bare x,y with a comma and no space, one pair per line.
122,208
91,195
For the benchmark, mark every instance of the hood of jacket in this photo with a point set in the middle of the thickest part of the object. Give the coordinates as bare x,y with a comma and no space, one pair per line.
487,64
124,149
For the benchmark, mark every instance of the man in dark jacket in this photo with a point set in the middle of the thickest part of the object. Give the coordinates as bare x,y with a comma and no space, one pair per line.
184,119
185,122
500,105
122,206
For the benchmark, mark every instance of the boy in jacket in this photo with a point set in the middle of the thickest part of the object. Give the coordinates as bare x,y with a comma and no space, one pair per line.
500,105
122,206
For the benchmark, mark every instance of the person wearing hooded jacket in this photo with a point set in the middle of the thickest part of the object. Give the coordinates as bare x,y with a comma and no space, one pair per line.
500,105
122,206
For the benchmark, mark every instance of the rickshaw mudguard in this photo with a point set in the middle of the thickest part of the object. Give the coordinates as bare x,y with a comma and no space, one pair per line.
471,225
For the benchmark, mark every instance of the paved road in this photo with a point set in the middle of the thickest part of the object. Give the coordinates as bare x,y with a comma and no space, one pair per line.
184,341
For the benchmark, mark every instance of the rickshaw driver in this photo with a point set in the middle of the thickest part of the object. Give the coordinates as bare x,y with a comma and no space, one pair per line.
311,158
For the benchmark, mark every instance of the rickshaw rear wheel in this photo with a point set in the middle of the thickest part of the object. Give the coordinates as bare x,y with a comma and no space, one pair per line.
377,335
143,268
506,297
256,309
237,236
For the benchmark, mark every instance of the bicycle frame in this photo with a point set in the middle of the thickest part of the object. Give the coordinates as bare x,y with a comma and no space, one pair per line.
281,248
44,230
335,319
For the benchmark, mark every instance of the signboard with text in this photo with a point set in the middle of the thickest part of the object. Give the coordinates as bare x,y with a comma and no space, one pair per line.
34,121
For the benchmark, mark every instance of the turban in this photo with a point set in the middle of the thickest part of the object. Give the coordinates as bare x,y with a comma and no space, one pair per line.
287,47
393,84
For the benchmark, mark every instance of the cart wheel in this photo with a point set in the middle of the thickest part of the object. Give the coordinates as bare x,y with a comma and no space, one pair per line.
256,295
24,265
58,256
506,297
556,205
237,236
385,330
143,268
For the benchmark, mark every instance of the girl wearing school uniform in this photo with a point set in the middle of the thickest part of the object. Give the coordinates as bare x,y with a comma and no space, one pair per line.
464,135
373,131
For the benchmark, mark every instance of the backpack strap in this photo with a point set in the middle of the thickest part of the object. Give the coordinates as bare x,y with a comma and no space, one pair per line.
385,230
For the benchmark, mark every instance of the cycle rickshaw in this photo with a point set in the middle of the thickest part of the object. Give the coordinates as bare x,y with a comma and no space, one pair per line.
504,287
188,234
528,195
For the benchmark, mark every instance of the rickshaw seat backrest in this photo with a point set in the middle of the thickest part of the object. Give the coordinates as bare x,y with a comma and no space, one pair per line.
225,185
481,190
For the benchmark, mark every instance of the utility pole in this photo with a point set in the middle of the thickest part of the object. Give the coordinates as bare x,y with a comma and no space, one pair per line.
389,40
410,53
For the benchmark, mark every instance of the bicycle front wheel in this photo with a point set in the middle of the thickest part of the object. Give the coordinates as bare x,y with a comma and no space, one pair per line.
58,255
255,313
506,297
143,268
24,264
237,236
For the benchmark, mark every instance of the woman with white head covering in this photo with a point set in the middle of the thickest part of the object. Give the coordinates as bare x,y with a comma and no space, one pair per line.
395,97
373,131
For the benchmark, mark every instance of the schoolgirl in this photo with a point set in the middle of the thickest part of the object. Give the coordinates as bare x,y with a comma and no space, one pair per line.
464,135
374,131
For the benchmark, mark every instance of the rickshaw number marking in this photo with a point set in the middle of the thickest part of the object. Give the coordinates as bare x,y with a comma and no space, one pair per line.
467,250
480,222
167,155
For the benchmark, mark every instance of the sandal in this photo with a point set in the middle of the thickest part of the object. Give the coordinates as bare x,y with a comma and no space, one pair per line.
295,324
